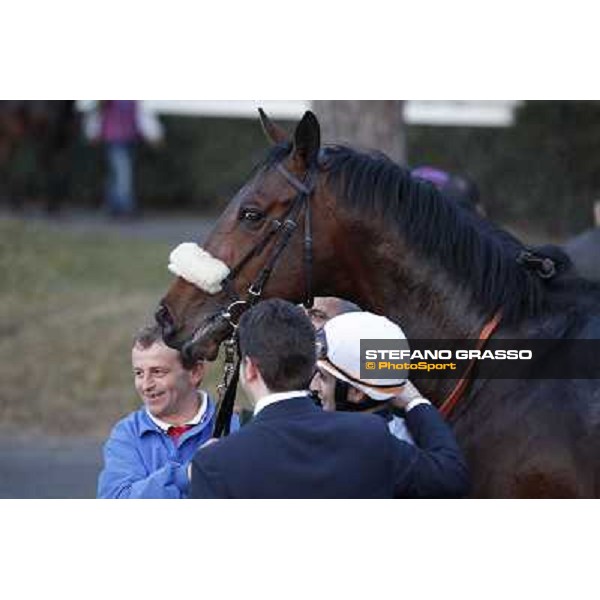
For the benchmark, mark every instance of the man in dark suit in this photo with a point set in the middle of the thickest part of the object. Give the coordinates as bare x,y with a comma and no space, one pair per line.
294,449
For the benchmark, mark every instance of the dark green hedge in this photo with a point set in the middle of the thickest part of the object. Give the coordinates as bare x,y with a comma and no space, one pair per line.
545,171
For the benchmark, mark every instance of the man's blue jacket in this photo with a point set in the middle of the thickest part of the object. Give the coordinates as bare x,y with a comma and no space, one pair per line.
142,461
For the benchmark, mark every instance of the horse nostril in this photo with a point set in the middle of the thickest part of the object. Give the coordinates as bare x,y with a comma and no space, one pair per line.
164,319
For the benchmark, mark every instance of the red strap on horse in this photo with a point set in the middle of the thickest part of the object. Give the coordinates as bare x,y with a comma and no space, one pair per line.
461,385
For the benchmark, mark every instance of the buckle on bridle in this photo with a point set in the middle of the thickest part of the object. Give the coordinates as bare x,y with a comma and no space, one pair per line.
543,266
257,293
290,225
227,314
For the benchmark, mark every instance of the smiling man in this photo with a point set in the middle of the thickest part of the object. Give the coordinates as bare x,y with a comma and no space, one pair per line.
147,453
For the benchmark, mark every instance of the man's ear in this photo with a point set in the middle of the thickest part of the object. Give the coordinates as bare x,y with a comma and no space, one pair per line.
197,373
307,142
251,372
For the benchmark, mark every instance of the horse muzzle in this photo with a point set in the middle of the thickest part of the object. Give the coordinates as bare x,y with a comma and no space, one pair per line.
205,341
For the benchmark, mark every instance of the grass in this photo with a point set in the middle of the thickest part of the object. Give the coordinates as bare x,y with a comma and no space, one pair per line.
69,306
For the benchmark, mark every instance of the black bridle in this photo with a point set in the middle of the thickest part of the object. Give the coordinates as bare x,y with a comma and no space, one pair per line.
283,229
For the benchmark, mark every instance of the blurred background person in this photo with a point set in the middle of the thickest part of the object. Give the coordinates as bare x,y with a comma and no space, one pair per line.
119,125
584,249
10,131
61,131
19,150
37,138
460,188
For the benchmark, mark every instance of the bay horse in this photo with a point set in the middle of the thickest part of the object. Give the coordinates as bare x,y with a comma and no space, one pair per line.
333,221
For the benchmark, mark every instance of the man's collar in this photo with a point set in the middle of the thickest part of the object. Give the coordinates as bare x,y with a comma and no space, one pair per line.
277,397
197,418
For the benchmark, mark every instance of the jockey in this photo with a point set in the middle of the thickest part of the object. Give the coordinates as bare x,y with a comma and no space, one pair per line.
337,380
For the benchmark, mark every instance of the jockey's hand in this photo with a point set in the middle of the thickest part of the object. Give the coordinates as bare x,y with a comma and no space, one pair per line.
408,394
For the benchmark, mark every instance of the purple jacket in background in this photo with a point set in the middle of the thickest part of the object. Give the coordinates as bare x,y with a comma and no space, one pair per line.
119,121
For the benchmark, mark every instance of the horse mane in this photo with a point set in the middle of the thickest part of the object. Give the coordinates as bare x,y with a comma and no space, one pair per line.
474,251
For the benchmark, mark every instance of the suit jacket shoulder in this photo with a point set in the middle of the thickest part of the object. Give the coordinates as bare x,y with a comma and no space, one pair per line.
293,449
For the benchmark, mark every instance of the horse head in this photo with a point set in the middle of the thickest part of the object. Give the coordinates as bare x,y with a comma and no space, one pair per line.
259,248
383,239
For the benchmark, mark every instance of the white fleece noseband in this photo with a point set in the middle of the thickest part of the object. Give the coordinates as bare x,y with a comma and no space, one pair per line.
198,267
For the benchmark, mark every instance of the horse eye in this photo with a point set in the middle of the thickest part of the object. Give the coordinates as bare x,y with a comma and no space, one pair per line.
250,214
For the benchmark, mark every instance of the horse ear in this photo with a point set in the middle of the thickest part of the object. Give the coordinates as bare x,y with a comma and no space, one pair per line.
274,133
307,140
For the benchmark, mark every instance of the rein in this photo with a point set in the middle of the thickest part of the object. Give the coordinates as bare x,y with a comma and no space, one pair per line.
461,385
227,389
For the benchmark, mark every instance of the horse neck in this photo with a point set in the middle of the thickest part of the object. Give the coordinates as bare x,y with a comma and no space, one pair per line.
412,291
419,295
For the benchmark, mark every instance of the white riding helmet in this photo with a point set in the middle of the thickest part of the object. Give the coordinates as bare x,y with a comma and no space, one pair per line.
339,354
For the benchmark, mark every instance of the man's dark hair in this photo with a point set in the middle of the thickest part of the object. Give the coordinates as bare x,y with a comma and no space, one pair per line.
280,338
152,334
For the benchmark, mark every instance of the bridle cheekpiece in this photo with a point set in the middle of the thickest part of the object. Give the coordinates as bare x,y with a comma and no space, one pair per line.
211,275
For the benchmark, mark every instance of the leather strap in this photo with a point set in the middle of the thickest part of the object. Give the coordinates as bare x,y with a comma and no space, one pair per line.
461,385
